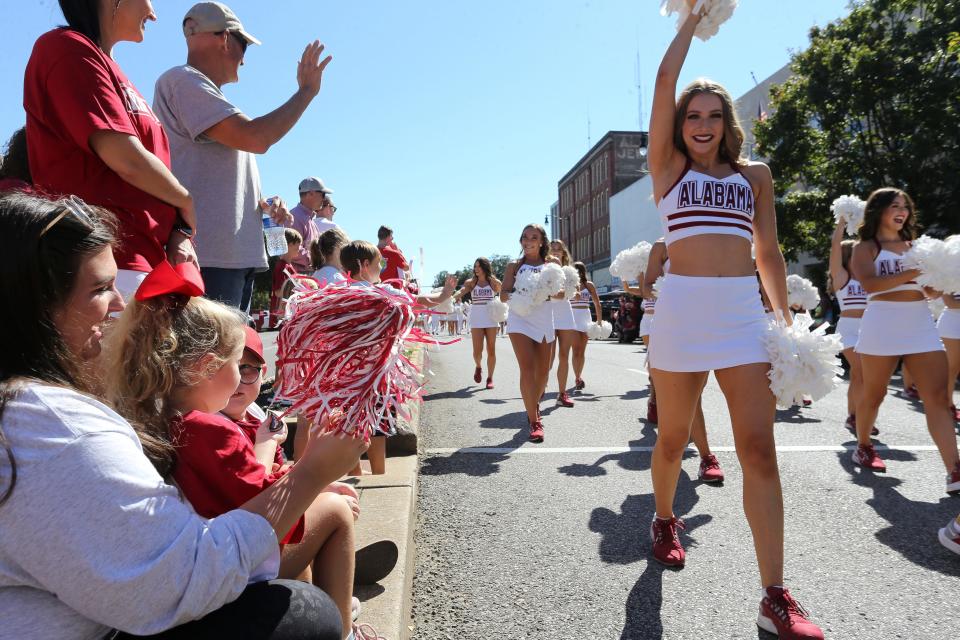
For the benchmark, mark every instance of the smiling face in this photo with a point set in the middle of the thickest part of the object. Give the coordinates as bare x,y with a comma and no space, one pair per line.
703,124
531,240
218,387
88,307
896,215
477,271
128,19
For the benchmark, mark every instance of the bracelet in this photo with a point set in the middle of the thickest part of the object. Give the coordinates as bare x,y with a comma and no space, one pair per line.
184,230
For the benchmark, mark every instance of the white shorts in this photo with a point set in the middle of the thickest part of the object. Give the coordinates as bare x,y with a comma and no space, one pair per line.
562,316
582,318
897,329
645,323
707,323
538,326
849,331
480,316
949,324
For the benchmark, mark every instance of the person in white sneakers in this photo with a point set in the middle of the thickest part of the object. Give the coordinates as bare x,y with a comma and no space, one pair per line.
715,206
950,535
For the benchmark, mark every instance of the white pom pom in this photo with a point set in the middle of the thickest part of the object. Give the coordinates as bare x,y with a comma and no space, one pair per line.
630,263
570,283
444,307
849,209
551,281
524,296
802,362
938,261
715,13
497,310
801,292
936,307
599,330
656,286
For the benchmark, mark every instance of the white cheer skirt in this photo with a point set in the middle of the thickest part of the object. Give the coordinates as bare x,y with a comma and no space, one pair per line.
480,317
538,325
707,323
897,329
582,318
849,331
563,316
949,324
645,323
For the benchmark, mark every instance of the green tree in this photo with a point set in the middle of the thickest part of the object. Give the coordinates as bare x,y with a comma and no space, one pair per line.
874,101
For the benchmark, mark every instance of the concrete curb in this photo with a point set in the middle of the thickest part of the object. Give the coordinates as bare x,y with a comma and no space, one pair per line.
388,512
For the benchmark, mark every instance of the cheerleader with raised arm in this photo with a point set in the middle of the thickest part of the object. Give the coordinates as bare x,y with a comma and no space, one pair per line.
898,323
582,319
853,301
713,205
482,288
531,335
564,327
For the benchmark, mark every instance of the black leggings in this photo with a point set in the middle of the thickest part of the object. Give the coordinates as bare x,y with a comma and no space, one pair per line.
274,610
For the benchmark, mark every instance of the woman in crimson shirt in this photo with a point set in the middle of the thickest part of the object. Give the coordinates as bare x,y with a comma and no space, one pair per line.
91,134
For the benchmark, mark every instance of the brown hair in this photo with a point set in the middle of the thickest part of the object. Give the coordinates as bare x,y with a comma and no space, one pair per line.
485,267
356,253
330,240
153,352
731,145
292,236
544,245
582,270
565,258
877,203
384,232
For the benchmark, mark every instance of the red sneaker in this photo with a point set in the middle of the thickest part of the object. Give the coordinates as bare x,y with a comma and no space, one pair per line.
953,481
912,393
477,375
564,400
652,412
956,413
580,384
950,537
710,470
666,541
866,456
536,431
783,616
489,383
852,426
807,401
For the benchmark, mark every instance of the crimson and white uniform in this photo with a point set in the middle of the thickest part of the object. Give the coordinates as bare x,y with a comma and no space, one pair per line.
949,323
581,310
480,310
648,305
563,315
538,324
851,297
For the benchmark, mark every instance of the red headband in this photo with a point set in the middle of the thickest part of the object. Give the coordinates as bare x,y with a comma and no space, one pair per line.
165,279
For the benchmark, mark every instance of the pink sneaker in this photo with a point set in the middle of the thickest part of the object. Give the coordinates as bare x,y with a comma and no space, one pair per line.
851,425
564,400
953,481
477,375
783,616
366,632
666,541
580,384
536,432
956,413
866,456
489,383
710,470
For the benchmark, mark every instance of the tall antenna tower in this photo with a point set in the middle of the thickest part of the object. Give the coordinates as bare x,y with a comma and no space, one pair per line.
640,114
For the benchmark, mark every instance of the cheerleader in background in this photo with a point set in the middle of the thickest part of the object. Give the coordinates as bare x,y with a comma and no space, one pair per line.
949,328
564,327
582,318
713,204
853,301
898,323
531,335
481,288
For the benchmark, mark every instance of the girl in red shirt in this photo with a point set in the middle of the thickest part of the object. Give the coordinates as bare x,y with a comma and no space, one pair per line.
174,361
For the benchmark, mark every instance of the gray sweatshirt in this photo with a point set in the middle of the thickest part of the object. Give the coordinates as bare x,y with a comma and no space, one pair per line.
93,539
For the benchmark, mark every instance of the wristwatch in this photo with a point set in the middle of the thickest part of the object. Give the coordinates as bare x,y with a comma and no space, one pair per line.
183,229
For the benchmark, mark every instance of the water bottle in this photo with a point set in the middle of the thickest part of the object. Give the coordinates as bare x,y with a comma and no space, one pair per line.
273,234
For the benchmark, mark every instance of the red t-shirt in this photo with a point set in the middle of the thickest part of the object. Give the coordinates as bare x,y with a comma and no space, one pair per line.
217,469
71,90
395,263
249,425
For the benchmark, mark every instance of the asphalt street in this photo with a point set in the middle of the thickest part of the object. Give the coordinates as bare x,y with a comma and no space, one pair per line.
521,540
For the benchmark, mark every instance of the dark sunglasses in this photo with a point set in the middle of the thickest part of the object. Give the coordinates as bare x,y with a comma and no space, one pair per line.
249,374
236,36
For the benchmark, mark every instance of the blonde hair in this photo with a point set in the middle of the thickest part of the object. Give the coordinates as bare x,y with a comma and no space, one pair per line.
565,258
154,350
731,145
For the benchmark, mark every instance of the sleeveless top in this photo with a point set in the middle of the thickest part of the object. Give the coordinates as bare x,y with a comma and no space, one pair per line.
852,296
526,267
888,263
648,304
482,295
581,300
700,204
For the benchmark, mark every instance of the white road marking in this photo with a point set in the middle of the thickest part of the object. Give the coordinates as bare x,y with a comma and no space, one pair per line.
640,371
558,450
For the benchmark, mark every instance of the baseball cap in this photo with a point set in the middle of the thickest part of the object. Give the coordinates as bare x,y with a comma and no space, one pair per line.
213,17
253,343
313,184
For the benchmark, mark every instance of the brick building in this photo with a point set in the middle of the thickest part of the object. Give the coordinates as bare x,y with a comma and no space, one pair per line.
582,219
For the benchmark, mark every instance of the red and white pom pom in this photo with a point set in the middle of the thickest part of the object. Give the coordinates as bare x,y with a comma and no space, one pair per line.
715,13
802,293
342,351
802,362
498,310
938,262
571,282
849,209
630,263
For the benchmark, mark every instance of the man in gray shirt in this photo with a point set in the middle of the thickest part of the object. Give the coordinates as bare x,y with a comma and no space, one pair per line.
213,143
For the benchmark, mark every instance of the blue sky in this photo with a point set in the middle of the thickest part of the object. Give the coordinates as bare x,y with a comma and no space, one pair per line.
449,121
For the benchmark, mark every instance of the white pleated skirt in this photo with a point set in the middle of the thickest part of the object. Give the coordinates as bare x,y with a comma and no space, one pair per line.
849,331
949,324
582,319
480,316
645,322
897,329
707,323
538,325
563,316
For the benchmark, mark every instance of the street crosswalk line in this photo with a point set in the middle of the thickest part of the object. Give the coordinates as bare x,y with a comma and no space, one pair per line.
556,450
